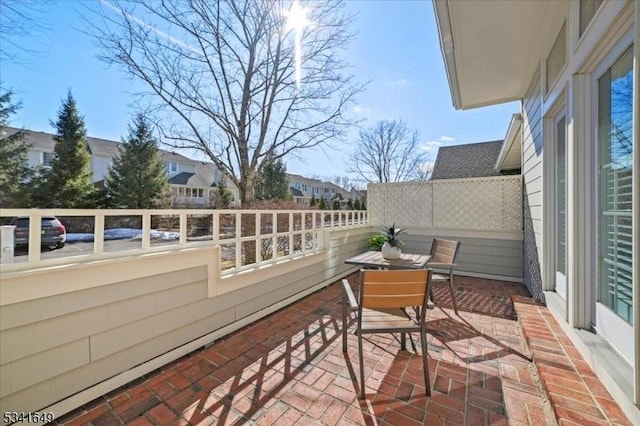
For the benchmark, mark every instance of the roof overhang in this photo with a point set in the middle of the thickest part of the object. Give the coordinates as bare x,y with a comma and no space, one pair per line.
489,48
511,151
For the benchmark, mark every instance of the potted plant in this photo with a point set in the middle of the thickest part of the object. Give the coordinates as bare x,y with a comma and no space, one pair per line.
391,248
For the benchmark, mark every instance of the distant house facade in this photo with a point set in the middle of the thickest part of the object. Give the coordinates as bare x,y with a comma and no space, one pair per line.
305,189
574,67
193,183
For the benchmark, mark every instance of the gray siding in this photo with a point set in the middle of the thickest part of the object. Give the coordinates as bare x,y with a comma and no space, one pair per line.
477,256
532,172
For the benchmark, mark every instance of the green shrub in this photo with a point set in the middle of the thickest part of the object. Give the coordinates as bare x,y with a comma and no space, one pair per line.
376,242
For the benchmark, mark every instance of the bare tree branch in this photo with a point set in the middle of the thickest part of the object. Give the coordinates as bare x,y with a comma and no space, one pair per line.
387,152
223,75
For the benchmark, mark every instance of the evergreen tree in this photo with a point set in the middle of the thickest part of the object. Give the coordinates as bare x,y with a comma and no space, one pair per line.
363,205
224,196
14,169
137,179
323,204
68,183
336,204
271,183
356,204
312,203
350,204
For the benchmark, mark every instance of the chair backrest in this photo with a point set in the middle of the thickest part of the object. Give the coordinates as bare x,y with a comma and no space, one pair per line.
444,251
393,288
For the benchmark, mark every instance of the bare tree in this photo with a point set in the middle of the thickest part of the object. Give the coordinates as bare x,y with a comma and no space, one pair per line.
225,79
19,21
424,170
387,152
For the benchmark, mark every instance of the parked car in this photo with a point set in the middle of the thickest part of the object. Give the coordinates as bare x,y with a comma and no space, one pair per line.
53,231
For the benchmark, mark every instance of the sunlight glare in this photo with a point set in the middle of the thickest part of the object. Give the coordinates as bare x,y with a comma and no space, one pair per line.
297,21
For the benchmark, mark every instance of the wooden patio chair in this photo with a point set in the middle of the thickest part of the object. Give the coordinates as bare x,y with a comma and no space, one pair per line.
383,297
443,256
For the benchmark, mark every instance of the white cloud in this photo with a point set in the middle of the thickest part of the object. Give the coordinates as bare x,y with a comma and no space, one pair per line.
361,109
447,139
399,82
431,146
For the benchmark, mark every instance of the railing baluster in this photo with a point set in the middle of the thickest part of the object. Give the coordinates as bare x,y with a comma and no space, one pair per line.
183,228
35,237
98,234
146,231
238,242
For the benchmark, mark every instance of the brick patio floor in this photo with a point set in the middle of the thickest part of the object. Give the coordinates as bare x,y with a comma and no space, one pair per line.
288,368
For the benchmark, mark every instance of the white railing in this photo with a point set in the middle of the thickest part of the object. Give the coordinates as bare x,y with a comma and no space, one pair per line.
246,237
488,203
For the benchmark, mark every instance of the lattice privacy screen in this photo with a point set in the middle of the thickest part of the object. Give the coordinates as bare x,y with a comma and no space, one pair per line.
493,203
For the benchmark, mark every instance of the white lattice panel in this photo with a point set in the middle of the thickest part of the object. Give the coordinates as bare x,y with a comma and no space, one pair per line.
407,204
493,203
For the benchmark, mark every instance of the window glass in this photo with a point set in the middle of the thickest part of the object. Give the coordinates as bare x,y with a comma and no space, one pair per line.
588,9
615,170
46,158
557,57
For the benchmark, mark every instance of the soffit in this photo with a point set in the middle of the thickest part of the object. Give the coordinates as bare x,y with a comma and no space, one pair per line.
490,48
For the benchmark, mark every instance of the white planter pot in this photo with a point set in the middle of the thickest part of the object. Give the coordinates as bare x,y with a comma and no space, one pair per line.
389,252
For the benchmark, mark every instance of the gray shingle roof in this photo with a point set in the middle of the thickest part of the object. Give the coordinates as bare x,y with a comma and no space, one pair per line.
181,178
466,161
296,192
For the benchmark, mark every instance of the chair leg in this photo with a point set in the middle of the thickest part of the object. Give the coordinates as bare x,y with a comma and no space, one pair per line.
361,360
403,341
453,294
344,322
425,362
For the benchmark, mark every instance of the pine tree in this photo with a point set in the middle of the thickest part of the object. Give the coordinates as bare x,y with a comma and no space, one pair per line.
336,204
312,203
224,196
14,169
272,183
350,204
323,204
356,204
68,183
137,179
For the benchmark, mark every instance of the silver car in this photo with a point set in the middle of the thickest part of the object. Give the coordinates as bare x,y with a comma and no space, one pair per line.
53,231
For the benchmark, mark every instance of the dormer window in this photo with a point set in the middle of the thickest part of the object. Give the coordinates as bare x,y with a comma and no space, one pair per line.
172,167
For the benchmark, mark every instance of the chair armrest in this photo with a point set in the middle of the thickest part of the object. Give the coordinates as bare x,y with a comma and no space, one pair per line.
441,265
353,305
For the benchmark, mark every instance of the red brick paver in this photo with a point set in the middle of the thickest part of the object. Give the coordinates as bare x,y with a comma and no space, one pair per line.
288,368
576,395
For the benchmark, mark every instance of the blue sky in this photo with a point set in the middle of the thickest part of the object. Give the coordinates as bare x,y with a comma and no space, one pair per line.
396,48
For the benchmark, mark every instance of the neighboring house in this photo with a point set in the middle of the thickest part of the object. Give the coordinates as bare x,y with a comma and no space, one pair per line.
193,182
470,160
571,65
304,189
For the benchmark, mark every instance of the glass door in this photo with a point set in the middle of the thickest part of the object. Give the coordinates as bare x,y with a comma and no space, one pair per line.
561,206
614,310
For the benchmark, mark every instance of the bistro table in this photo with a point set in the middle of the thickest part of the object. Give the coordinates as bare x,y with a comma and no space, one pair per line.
374,259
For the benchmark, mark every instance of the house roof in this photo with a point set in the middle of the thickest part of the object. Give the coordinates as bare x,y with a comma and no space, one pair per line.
38,140
296,192
181,178
465,161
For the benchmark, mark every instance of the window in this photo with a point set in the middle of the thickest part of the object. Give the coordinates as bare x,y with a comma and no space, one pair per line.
172,167
557,58
615,170
46,158
587,10
188,192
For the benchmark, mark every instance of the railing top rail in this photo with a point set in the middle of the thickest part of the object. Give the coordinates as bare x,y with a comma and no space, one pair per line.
131,212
